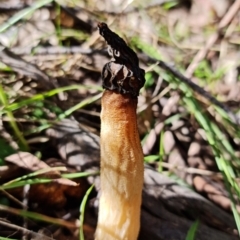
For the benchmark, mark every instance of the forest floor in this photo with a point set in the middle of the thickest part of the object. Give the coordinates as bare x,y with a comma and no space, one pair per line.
51,60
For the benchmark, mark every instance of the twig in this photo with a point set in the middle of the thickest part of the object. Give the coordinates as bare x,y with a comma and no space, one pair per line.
23,13
190,170
39,217
130,8
213,38
34,235
54,50
11,197
8,137
199,90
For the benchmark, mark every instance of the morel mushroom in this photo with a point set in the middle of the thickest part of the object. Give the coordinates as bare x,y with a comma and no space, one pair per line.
121,151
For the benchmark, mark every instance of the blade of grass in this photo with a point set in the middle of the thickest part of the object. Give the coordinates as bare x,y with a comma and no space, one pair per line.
3,238
161,152
82,210
78,175
27,181
33,174
21,181
24,13
236,215
80,105
22,141
216,139
192,231
151,158
58,23
42,96
38,216
67,113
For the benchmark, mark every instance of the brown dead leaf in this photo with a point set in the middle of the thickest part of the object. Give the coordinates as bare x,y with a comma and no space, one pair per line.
30,162
26,160
54,193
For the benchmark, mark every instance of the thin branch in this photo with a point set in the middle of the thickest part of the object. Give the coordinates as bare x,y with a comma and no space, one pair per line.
33,235
11,197
54,50
39,217
199,90
232,11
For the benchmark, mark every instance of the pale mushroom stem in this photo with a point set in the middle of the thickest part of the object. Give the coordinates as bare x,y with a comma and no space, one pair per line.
121,169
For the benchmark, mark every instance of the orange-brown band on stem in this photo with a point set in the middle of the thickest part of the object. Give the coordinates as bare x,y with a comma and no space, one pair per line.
121,169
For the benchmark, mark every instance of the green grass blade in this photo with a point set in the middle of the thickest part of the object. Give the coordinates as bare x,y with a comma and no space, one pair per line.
80,105
24,13
161,151
192,231
42,96
38,216
82,210
42,171
27,181
3,238
22,141
78,175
